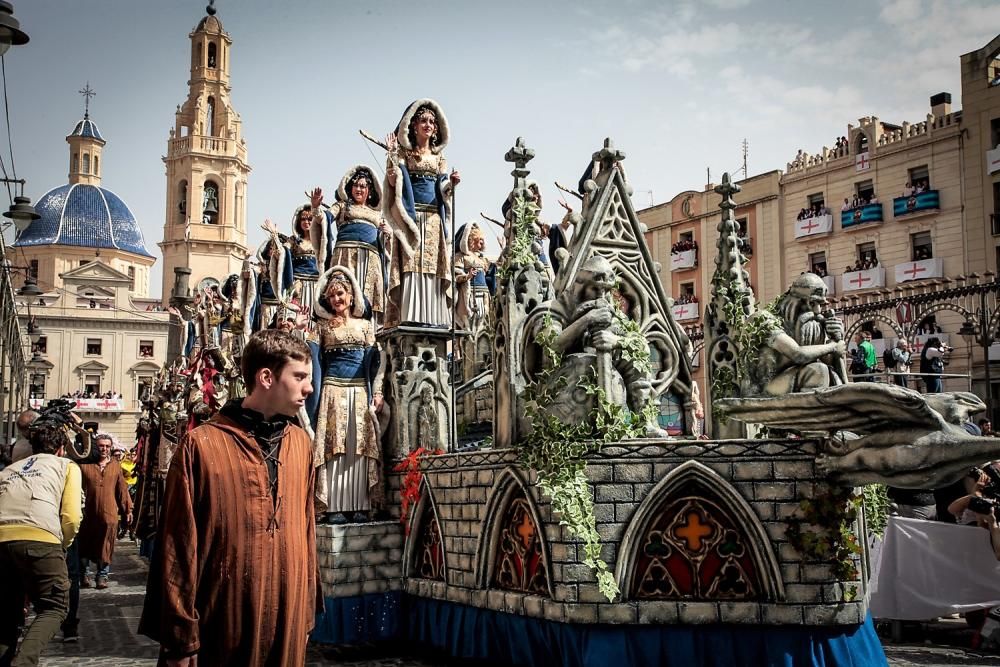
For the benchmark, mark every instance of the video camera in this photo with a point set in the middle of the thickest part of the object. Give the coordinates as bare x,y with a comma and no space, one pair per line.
992,489
59,412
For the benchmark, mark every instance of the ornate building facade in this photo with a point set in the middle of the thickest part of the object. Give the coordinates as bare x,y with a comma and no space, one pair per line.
95,328
205,226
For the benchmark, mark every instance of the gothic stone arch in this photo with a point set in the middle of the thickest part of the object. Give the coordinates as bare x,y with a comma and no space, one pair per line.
512,552
423,554
695,537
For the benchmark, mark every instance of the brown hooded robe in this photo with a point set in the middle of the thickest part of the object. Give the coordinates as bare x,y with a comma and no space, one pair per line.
106,496
233,577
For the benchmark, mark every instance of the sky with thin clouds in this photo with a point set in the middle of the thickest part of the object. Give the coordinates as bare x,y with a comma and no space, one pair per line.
677,85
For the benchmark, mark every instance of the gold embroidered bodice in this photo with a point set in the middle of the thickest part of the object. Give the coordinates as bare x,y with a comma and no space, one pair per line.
354,332
428,163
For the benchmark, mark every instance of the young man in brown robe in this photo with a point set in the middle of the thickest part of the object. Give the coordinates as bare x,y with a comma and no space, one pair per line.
106,496
233,575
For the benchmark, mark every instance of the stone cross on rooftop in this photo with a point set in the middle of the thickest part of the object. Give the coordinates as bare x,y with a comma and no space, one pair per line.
727,189
520,155
608,155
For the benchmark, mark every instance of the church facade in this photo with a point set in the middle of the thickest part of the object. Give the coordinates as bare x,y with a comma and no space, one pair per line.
97,334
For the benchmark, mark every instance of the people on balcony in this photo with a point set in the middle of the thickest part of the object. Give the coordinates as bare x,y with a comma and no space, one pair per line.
683,245
921,254
814,211
686,298
859,201
867,261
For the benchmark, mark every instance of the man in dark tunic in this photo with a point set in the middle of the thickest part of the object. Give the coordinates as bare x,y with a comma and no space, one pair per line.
233,575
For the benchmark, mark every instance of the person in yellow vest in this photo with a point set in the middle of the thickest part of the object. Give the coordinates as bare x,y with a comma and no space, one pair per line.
41,506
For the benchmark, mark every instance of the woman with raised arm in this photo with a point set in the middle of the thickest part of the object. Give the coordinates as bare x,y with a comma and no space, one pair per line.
418,190
346,445
359,233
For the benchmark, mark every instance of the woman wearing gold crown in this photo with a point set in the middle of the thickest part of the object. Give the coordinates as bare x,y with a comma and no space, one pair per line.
360,233
346,445
418,188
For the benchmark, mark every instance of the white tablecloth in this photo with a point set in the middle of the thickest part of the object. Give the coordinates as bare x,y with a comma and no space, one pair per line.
927,569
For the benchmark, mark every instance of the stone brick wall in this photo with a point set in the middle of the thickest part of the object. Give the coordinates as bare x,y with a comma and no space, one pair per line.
358,559
771,476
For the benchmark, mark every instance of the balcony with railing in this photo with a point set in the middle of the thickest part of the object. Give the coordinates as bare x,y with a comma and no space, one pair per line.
928,200
993,160
206,145
683,259
920,269
817,224
862,215
852,281
685,312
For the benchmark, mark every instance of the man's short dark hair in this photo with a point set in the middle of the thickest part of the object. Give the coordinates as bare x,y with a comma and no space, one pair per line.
272,349
48,438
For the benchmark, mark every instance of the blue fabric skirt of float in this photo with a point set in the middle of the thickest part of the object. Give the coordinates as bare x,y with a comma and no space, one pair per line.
466,632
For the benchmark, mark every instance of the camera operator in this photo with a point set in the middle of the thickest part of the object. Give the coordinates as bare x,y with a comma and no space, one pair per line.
980,506
932,362
40,513
22,448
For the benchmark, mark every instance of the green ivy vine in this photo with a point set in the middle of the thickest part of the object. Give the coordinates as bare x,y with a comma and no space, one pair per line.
876,501
748,334
519,252
824,530
556,450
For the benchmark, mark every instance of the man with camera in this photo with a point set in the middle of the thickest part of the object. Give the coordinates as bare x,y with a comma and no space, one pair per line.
932,362
980,506
40,513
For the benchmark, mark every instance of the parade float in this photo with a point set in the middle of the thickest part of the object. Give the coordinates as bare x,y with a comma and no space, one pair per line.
581,529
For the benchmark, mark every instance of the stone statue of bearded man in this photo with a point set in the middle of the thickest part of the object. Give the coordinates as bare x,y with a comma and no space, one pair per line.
805,348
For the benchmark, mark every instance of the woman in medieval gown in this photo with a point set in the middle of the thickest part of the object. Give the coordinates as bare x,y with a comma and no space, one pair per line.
272,271
346,445
360,236
418,187
299,252
475,279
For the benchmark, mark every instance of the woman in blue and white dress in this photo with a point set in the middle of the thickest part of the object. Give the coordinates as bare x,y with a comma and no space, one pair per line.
358,232
346,444
418,187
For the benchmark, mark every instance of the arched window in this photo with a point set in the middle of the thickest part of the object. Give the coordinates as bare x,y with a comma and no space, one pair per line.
97,165
86,163
211,55
210,117
210,203
197,55
862,142
182,198
74,164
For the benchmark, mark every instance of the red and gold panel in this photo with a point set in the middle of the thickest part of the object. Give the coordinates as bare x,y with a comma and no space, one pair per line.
518,561
429,549
694,549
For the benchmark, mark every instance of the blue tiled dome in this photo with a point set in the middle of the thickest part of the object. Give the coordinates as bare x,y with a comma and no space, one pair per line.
87,128
84,215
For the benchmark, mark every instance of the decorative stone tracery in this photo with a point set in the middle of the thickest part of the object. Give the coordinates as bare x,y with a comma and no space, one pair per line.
520,565
424,554
695,538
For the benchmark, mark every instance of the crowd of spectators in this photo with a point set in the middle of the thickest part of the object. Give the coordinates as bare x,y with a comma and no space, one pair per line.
915,189
683,245
686,298
814,211
867,261
79,393
858,201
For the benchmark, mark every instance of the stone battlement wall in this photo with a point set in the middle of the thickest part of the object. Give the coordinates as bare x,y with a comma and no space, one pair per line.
757,483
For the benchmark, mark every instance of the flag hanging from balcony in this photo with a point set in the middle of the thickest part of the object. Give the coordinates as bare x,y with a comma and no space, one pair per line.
862,162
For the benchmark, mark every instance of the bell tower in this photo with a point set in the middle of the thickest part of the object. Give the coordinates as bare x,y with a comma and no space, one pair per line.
205,226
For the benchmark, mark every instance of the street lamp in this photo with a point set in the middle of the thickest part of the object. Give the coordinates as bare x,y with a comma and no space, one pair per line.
21,212
30,287
980,331
10,28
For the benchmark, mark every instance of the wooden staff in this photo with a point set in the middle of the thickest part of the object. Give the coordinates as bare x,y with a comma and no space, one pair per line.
568,191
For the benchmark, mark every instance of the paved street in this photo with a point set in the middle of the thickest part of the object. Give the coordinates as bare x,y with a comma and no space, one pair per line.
109,619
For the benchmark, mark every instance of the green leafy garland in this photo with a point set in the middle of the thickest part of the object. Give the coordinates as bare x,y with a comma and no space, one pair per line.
824,531
748,334
519,252
876,502
556,451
